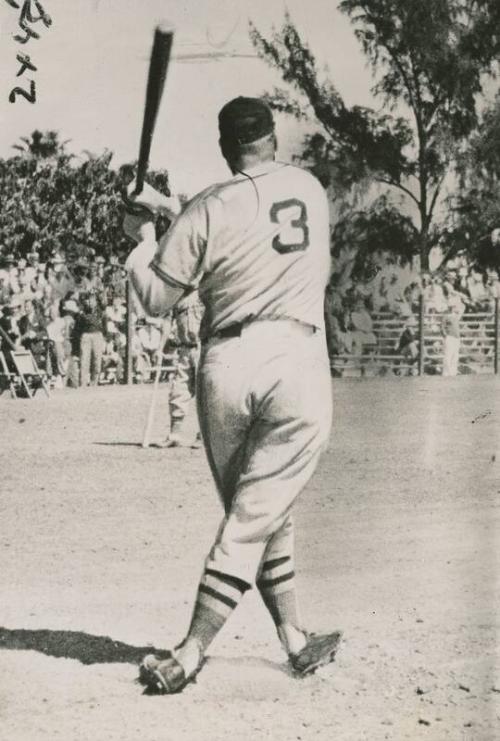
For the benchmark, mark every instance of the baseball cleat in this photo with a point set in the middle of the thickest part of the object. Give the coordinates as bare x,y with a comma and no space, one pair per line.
318,651
175,441
164,676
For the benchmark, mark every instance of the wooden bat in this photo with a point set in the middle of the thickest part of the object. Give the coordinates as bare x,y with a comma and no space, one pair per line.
158,66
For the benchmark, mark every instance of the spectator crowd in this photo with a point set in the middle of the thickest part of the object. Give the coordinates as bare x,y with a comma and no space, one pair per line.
397,291
72,317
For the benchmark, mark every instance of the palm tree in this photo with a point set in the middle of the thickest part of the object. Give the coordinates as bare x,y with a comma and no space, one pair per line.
42,144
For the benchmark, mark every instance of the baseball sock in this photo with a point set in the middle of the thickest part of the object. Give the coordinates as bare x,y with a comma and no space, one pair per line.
218,595
276,585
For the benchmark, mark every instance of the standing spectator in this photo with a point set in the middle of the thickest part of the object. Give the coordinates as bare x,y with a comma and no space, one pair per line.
11,269
89,332
56,332
59,278
451,343
69,312
5,292
94,281
117,279
80,278
39,281
32,264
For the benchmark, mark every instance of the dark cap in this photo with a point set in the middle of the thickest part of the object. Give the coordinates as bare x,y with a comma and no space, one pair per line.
244,120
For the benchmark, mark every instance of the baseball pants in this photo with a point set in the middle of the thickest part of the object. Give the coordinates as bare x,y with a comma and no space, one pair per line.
184,384
264,404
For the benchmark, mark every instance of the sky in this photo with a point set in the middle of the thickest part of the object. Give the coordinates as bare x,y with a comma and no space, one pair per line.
92,67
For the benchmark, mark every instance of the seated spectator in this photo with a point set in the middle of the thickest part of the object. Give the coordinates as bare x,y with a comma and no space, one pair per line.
149,336
435,300
493,285
112,361
414,294
116,316
32,327
408,345
9,321
477,290
117,280
380,300
339,340
361,329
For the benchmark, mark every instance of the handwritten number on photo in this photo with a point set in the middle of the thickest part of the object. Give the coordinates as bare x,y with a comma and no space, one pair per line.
25,63
30,97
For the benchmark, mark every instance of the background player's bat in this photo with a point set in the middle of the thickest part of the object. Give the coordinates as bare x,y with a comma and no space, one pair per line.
158,65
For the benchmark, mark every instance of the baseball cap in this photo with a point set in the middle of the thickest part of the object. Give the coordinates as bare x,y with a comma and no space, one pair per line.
244,120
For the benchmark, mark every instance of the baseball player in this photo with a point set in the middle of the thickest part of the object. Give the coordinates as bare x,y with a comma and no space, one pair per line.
185,338
257,249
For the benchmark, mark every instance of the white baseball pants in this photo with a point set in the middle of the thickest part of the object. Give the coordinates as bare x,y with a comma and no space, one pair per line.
264,403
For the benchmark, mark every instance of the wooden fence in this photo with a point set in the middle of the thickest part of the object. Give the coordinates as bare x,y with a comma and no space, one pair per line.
479,345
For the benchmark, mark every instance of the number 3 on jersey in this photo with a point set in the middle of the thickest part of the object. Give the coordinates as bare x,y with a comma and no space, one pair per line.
294,237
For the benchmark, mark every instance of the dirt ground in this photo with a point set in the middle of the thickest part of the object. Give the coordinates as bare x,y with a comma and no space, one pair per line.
101,546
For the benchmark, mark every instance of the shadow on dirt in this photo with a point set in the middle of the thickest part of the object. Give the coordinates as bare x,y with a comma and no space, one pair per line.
68,644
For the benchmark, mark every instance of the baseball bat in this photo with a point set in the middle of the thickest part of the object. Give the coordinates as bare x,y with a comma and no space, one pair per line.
158,66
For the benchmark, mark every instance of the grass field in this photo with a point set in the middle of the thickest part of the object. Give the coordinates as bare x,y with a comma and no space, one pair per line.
398,545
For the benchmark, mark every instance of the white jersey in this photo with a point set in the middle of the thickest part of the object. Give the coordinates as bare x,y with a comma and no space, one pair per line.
257,247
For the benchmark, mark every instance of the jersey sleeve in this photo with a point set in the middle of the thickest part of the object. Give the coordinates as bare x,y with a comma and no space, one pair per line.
180,255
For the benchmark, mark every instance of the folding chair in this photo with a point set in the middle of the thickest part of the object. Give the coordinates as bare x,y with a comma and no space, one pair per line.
7,377
30,376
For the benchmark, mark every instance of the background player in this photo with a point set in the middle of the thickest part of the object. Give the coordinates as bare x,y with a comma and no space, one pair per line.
185,338
257,247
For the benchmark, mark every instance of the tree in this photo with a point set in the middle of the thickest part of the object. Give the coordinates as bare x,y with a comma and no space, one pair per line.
429,59
64,203
41,144
475,209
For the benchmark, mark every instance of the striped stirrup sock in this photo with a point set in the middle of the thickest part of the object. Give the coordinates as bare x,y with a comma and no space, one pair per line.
218,595
276,585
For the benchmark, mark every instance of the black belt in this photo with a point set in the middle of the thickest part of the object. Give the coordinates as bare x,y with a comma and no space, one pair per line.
235,330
